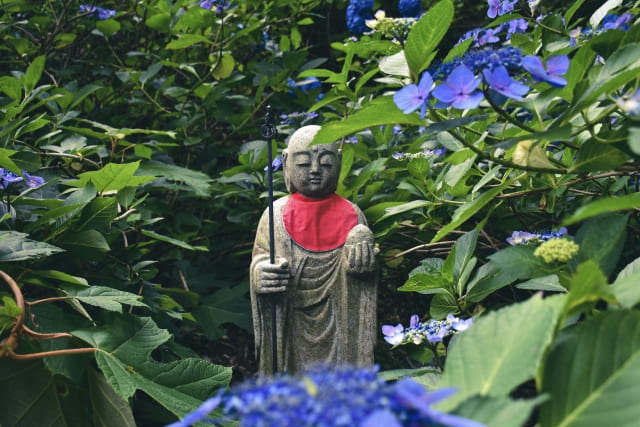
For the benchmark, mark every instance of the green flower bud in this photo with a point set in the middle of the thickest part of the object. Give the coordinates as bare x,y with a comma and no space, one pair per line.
556,250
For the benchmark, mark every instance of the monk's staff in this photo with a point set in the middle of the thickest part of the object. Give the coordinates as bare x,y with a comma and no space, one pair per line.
269,131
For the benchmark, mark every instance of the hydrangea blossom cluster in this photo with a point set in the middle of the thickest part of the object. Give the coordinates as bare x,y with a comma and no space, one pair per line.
358,12
484,36
611,21
7,178
500,7
460,88
218,5
396,29
556,250
325,396
432,331
525,237
98,12
426,153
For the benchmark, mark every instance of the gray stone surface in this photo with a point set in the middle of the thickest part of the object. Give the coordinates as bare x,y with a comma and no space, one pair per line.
324,296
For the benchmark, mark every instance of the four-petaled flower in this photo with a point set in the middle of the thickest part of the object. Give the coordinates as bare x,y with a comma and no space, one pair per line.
500,81
393,334
459,90
412,97
556,67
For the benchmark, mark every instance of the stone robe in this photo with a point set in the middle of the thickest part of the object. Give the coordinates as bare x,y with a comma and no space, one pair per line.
327,314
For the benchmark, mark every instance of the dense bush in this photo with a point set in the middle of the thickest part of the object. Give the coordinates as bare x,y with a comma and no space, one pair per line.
495,154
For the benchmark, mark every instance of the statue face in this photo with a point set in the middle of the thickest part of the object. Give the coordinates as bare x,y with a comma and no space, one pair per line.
313,171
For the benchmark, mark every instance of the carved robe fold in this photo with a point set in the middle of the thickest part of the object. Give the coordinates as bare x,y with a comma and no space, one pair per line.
327,314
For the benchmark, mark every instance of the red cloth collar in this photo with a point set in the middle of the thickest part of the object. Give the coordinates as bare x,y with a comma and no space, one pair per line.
319,224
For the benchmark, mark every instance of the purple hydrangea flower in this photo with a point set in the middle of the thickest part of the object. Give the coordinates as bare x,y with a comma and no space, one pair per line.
327,396
459,90
7,178
275,164
393,334
33,181
412,97
520,237
488,36
500,7
218,5
500,81
100,12
556,67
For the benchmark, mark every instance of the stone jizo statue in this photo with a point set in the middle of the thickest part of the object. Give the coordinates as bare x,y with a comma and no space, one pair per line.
324,279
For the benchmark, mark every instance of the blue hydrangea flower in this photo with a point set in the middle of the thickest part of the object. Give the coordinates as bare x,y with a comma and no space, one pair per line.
459,90
100,12
432,331
479,59
500,81
412,97
500,7
7,178
327,396
630,105
218,5
524,237
556,67
33,181
358,12
410,8
275,164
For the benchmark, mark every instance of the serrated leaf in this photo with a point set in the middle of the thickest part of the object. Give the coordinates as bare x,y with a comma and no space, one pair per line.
98,214
519,262
426,34
501,350
592,373
15,246
124,355
113,177
425,284
104,297
595,156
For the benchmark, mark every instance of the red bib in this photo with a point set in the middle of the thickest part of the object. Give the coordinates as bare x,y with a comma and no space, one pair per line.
319,224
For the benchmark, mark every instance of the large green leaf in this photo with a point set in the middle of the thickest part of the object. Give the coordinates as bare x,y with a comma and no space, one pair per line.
518,261
380,111
626,288
497,411
197,181
98,214
501,350
15,246
124,356
108,409
113,177
88,244
587,286
425,36
604,205
595,156
105,297
171,240
592,373
602,239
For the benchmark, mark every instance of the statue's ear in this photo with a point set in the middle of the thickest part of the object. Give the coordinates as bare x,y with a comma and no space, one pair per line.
285,171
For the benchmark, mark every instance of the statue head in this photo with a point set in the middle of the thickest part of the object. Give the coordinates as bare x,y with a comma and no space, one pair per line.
312,171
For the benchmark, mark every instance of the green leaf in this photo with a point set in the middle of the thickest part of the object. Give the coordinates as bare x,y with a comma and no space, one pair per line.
224,67
501,350
108,27
602,240
426,34
124,356
595,156
107,407
9,311
443,304
498,411
419,167
98,214
33,73
397,208
186,40
171,240
227,305
546,283
29,396
197,182
519,262
6,162
11,87
604,205
587,286
89,244
466,211
426,284
625,287
113,177
592,373
15,246
104,297
488,279
380,111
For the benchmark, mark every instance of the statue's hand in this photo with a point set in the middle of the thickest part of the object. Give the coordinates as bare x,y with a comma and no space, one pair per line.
272,278
360,250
